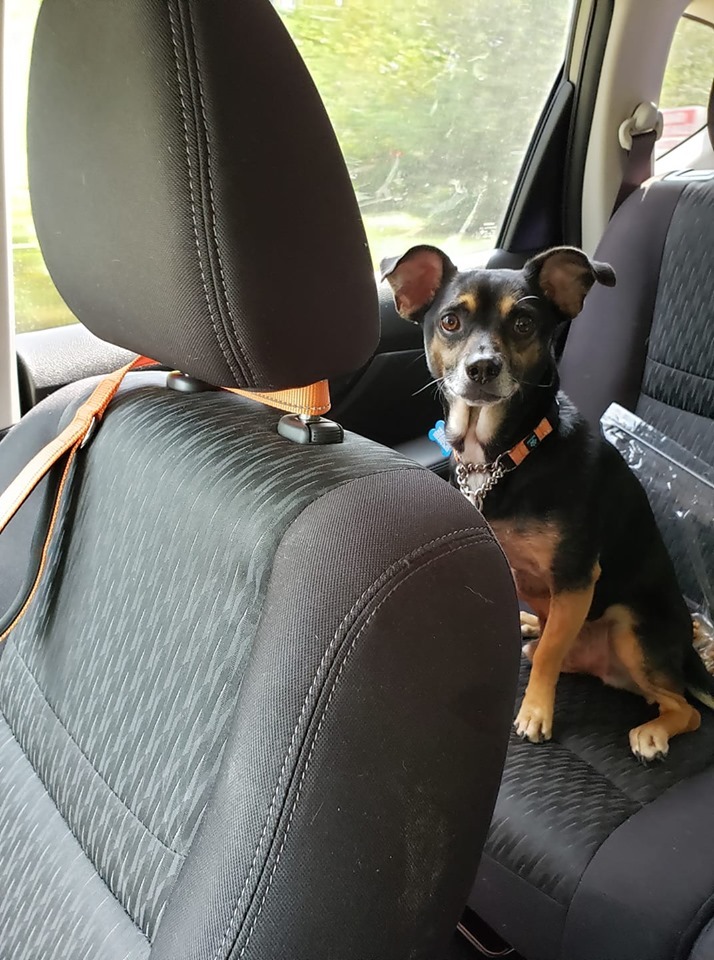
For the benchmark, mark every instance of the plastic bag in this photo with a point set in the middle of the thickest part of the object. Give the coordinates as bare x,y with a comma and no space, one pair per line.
680,488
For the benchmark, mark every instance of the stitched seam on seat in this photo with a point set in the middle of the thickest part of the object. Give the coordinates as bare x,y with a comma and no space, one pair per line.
688,373
640,807
84,755
471,541
239,352
690,937
192,193
487,856
374,587
70,831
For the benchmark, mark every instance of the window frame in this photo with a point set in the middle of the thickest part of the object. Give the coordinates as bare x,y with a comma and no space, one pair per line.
9,390
661,165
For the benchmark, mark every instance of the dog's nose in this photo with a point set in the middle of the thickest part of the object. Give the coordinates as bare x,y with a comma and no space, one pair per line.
484,370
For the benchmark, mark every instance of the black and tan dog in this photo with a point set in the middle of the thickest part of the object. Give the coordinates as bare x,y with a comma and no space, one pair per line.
571,517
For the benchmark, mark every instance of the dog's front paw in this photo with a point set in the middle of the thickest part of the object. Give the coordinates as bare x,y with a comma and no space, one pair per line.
649,742
534,721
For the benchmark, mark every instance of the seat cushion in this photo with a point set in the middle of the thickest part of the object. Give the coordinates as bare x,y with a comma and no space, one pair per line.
564,804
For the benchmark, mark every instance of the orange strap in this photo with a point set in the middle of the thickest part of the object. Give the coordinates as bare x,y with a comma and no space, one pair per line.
68,441
313,400
521,450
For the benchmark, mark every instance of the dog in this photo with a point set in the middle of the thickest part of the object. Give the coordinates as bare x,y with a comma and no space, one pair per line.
573,520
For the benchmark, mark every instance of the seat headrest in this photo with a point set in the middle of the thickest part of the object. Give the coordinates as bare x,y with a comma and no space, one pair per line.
710,116
189,194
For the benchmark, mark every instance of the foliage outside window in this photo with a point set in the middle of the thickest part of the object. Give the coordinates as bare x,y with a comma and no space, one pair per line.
434,105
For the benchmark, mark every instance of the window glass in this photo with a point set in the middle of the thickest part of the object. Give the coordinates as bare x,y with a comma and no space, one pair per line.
37,303
434,103
686,86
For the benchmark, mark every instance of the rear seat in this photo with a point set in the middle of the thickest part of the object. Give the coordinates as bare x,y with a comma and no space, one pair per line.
590,856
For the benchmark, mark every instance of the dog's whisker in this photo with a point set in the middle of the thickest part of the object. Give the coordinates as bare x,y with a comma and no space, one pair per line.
438,382
542,386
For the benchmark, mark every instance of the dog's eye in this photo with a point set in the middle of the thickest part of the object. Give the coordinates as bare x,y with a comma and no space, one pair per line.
450,322
523,326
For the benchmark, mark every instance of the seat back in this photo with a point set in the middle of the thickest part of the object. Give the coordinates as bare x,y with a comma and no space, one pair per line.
647,343
253,703
259,703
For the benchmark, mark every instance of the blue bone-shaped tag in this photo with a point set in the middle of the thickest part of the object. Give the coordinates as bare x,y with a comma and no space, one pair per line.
438,435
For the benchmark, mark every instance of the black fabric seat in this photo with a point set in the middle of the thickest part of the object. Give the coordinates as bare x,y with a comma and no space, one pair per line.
258,707
590,856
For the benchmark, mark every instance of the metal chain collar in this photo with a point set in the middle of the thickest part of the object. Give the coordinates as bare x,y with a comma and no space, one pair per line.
491,473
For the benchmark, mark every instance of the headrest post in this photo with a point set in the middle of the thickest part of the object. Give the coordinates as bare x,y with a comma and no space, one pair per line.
302,428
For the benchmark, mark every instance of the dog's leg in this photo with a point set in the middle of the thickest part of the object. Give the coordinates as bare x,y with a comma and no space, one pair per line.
531,630
530,626
650,741
566,616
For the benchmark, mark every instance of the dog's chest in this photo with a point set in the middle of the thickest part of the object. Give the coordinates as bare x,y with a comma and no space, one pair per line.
530,548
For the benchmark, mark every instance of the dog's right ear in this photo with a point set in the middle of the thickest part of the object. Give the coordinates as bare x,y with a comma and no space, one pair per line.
415,279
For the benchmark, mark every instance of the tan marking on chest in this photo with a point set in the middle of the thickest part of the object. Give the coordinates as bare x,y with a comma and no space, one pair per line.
457,422
530,549
479,425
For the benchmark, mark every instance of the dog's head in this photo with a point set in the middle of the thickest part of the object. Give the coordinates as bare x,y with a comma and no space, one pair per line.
490,332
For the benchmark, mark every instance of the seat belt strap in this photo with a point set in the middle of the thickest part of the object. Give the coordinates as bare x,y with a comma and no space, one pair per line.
638,135
638,166
312,400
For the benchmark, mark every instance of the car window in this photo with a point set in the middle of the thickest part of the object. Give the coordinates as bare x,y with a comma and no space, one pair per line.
37,303
686,86
434,105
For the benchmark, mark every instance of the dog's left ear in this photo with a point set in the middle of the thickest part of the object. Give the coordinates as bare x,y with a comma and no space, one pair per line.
565,275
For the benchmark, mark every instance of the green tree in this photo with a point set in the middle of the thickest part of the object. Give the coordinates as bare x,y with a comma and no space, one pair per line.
690,66
434,104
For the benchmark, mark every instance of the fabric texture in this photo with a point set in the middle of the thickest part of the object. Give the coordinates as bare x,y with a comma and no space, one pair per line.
38,428
664,841
560,802
195,185
388,693
679,370
234,630
43,867
691,431
604,356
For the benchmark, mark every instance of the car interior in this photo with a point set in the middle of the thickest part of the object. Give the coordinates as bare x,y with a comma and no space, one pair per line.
259,658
